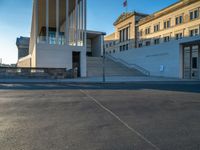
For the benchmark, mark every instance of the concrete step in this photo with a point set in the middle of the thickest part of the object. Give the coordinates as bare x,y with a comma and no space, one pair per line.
95,68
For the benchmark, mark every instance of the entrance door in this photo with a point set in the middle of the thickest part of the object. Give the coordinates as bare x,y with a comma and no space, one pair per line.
76,63
191,60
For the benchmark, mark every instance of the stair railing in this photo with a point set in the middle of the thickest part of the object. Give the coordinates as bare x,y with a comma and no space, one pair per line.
131,66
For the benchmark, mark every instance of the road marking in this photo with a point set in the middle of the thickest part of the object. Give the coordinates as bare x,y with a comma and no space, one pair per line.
120,120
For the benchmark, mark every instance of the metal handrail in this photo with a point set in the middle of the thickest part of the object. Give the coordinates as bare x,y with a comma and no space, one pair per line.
119,60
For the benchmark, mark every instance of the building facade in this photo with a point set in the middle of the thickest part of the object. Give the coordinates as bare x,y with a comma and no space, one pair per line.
166,43
172,23
58,35
124,37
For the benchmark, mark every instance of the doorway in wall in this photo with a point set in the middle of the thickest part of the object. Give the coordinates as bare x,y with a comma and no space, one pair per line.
76,63
191,61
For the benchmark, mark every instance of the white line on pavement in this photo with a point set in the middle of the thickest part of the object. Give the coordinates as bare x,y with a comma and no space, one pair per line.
119,119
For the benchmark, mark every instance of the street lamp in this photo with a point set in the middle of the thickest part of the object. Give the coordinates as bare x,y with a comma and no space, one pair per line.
104,56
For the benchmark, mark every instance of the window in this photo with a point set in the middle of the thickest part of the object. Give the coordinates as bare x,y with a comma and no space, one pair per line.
126,46
148,43
194,63
140,45
141,33
167,24
121,48
110,44
194,32
157,28
194,14
52,38
157,41
106,45
166,38
179,20
113,42
114,51
147,31
179,36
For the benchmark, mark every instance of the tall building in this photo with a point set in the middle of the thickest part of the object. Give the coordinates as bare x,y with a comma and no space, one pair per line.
166,43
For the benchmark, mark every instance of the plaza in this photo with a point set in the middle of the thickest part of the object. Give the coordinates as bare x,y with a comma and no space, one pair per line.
139,116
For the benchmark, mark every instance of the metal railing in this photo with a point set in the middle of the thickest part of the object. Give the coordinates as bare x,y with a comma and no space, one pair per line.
131,66
51,40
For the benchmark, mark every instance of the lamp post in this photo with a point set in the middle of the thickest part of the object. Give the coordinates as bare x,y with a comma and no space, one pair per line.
104,57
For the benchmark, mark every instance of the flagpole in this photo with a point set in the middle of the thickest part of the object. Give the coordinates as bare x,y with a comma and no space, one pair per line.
127,6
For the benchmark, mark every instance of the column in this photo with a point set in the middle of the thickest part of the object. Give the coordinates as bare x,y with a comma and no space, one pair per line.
76,17
82,23
57,21
85,23
67,23
36,21
47,21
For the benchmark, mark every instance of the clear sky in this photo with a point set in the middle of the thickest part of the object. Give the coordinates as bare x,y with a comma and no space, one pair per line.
15,19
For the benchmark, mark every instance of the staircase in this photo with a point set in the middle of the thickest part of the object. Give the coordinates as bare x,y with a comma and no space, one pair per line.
95,68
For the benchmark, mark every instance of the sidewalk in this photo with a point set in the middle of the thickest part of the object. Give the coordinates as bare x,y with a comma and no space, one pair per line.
113,79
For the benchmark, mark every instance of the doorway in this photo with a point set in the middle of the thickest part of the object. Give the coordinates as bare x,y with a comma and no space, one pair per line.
191,61
76,64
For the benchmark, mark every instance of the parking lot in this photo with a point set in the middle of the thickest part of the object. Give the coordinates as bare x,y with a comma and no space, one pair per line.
120,117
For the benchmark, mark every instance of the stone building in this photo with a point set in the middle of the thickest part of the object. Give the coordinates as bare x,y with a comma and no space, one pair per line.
166,43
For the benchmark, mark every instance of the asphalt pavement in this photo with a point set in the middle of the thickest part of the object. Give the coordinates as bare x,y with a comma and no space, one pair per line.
134,116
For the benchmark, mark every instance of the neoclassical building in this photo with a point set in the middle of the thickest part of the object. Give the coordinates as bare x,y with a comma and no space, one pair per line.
166,43
124,37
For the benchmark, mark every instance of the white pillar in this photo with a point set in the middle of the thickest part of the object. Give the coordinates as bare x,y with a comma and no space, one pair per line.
82,22
78,26
76,17
36,21
57,21
67,23
47,21
85,22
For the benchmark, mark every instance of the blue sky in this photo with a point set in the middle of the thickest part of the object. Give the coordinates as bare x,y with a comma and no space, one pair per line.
15,19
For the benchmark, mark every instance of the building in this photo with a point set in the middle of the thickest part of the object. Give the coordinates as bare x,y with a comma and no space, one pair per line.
166,43
58,35
172,23
59,38
23,46
124,37
94,43
94,46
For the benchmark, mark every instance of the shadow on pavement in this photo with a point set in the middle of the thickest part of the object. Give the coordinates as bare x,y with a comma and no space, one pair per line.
193,87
